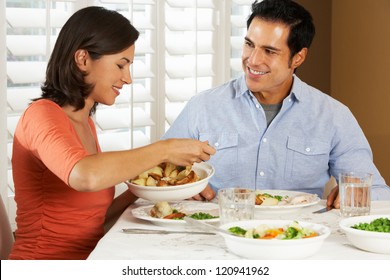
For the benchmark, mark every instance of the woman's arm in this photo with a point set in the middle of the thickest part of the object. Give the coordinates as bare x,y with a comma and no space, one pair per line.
119,204
103,170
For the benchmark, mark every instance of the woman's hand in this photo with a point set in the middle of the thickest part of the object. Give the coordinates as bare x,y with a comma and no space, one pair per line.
187,151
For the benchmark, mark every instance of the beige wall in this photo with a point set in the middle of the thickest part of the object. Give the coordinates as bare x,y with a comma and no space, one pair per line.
360,69
316,69
350,60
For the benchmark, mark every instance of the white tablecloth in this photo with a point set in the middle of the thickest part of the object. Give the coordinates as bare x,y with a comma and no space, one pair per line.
116,245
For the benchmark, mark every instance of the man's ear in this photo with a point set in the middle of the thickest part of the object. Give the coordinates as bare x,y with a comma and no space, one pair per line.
299,58
81,57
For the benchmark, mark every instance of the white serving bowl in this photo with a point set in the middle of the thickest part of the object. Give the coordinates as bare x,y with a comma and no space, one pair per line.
376,242
174,193
274,249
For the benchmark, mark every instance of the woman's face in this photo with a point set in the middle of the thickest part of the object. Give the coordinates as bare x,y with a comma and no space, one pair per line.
108,74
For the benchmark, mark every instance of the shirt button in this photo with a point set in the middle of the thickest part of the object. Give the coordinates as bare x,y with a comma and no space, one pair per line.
257,106
265,140
216,144
307,149
261,173
289,100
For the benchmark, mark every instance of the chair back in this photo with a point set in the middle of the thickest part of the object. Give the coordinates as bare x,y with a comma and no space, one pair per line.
6,236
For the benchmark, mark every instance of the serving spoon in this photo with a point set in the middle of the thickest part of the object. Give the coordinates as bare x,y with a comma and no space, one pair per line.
206,227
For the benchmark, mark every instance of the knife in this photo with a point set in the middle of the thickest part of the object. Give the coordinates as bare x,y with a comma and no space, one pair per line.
159,231
323,210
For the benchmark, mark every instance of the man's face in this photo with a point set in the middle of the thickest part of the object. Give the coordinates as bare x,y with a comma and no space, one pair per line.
266,60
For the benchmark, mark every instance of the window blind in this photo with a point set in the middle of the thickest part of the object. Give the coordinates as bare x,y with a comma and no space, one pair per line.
130,122
185,46
190,35
31,30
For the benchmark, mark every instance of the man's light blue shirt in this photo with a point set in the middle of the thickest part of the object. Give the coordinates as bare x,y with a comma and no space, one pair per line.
313,137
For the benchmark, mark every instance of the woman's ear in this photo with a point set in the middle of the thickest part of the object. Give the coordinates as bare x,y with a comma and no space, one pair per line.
81,57
299,58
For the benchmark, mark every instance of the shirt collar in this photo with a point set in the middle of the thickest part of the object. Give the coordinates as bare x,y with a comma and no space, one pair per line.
240,87
296,90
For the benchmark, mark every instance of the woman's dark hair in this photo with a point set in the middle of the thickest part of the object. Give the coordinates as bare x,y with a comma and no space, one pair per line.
296,17
95,29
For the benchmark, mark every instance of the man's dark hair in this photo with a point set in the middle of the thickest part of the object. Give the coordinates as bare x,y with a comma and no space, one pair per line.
296,17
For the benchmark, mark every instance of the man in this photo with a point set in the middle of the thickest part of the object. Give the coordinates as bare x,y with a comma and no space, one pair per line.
271,130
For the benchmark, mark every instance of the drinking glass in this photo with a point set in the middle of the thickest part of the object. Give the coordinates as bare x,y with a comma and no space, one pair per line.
236,204
355,193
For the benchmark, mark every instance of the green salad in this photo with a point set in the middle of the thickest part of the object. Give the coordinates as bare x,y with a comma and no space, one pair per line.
292,231
196,216
278,197
377,225
202,216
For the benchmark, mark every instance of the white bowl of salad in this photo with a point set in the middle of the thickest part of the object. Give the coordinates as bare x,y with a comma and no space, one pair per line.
274,239
369,233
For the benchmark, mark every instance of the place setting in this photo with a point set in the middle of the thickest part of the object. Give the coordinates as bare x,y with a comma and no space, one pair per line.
254,224
172,214
279,201
166,189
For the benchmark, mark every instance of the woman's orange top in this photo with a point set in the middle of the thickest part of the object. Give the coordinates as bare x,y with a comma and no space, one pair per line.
54,221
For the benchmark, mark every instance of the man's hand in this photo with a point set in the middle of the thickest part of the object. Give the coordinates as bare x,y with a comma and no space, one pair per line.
207,194
333,198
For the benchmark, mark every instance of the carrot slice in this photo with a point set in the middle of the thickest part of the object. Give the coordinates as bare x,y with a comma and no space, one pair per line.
314,234
175,216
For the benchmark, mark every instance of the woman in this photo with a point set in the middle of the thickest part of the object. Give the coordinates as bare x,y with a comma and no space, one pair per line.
64,184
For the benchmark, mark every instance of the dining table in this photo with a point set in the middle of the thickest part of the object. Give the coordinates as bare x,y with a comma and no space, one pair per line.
117,244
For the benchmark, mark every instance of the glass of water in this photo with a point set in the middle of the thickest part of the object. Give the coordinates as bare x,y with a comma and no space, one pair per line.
355,193
236,204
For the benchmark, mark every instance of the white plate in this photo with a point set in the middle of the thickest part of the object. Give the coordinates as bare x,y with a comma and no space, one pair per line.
313,199
376,242
187,207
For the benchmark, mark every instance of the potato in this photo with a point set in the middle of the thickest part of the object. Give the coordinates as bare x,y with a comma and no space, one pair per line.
151,181
182,174
144,175
162,183
166,174
170,181
269,201
156,172
174,174
161,209
190,178
139,181
169,167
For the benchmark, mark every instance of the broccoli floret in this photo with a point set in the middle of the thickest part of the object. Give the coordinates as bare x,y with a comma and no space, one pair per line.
237,231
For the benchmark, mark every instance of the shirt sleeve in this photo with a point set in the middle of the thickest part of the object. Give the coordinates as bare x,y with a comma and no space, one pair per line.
50,136
352,152
181,127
